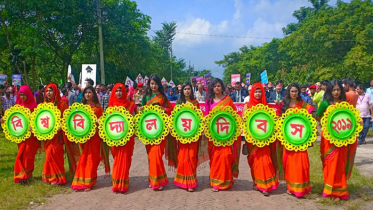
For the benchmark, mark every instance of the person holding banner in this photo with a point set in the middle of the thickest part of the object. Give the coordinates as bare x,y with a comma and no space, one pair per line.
122,154
337,161
86,173
296,165
155,95
186,176
223,160
54,169
262,160
24,164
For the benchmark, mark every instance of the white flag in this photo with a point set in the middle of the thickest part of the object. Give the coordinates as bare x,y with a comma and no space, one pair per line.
139,79
129,82
146,79
171,83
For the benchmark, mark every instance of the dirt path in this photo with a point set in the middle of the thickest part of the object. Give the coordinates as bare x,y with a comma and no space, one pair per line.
139,196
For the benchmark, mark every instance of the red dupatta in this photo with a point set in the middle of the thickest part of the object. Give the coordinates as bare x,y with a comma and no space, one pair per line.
123,101
30,100
254,101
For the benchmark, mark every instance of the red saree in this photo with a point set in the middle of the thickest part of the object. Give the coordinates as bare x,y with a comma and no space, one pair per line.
54,169
223,160
24,164
86,173
262,160
297,166
122,154
186,176
157,171
337,167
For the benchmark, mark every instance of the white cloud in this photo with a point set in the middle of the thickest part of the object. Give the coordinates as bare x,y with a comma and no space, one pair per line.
195,31
238,6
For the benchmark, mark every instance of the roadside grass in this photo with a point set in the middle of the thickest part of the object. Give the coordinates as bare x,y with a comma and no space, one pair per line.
359,186
17,196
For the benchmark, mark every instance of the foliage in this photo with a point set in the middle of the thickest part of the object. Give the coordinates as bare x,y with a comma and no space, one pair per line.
326,43
39,39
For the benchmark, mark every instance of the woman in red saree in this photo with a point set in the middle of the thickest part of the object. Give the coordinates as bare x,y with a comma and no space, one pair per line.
186,173
24,165
262,160
86,173
122,154
54,169
296,164
337,161
223,160
155,96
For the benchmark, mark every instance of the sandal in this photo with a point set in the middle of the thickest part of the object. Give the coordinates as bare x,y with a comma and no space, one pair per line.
190,190
265,193
215,190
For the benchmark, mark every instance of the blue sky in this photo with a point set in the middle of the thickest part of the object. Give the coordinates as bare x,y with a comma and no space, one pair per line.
263,19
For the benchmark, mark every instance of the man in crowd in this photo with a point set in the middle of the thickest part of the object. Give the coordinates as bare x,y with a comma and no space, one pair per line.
165,89
370,92
239,94
72,97
39,98
364,104
277,96
7,100
98,92
351,95
270,90
312,89
106,97
318,97
303,93
65,93
194,85
200,94
139,95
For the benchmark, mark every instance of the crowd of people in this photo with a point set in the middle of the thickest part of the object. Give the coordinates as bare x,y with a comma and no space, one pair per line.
268,164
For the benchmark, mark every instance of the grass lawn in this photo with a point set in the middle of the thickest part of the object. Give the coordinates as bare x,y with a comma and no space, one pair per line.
359,186
17,196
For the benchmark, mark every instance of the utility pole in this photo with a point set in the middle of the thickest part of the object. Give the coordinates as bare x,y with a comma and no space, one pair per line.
190,72
102,68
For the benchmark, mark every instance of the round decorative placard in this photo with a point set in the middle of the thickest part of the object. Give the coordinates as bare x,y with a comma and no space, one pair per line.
222,126
116,126
16,124
79,123
340,124
151,125
186,123
296,129
45,121
259,125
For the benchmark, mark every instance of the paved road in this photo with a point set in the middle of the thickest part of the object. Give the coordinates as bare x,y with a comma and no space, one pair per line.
139,196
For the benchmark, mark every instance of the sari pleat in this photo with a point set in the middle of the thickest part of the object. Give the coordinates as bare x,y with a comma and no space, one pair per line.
122,163
54,169
223,160
86,173
157,171
334,160
24,164
262,168
296,165
186,176
297,172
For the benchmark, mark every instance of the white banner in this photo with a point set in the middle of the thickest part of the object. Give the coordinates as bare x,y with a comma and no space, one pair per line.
88,72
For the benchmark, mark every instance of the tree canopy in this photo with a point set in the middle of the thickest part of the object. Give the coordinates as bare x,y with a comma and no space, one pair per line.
326,43
39,39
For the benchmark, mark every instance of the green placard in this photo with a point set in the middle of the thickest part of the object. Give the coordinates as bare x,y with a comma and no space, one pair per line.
16,124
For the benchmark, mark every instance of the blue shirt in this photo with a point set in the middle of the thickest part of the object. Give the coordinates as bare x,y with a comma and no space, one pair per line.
306,98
